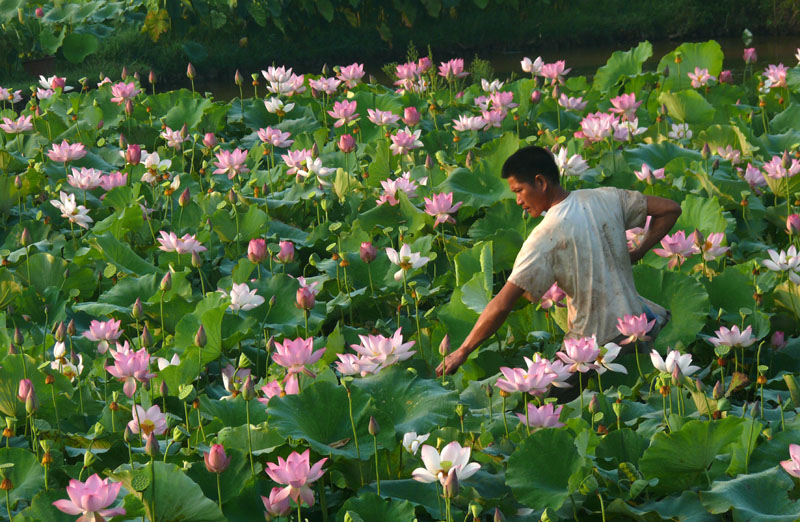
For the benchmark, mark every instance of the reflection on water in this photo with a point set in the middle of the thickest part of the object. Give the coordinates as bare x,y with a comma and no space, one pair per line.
583,61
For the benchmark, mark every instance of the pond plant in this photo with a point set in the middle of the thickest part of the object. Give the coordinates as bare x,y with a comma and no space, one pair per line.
321,245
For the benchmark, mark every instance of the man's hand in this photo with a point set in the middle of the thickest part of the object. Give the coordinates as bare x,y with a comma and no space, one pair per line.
664,213
452,362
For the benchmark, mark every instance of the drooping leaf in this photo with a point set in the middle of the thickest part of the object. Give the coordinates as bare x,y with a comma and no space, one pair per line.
757,496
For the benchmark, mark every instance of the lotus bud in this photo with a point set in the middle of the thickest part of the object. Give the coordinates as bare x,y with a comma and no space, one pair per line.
593,404
100,125
793,224
39,12
184,198
305,298
498,516
699,238
428,162
755,409
717,392
31,402
24,389
536,97
444,346
200,337
61,332
469,159
232,197
706,151
190,72
147,337
726,76
489,391
197,261
216,460
248,389
374,428
166,282
209,140
151,446
12,350
71,327
314,151
555,92
367,252
271,303
778,340
151,77
128,107
677,376
451,485
346,143
699,386
410,116
18,339
286,254
715,165
25,237
237,78
17,182
133,154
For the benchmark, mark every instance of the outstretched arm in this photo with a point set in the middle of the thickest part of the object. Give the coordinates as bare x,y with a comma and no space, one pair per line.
490,320
664,213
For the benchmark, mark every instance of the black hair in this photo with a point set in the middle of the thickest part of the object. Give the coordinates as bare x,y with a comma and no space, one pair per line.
527,162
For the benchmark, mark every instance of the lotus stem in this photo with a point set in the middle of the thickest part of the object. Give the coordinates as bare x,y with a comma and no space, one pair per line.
355,435
250,443
602,507
505,419
219,493
527,422
377,469
638,365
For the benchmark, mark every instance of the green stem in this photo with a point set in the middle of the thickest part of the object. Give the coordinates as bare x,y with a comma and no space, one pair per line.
250,442
505,420
377,469
527,422
219,494
355,435
602,507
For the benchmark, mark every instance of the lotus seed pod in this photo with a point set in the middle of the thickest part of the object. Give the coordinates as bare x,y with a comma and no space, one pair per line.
374,427
6,485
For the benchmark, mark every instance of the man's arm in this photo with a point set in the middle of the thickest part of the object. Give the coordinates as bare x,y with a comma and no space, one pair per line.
664,213
490,320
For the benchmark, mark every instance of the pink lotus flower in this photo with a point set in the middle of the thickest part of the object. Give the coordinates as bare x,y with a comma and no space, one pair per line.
466,123
534,380
404,141
733,337
113,180
452,69
367,252
634,327
793,224
326,85
54,82
384,351
648,175
295,354
381,118
712,247
680,131
102,332
209,140
730,154
346,143
753,176
275,137
635,236
700,77
580,354
572,104
174,138
295,159
7,95
85,179
452,459
441,206
133,154
493,118
410,116
130,367
392,186
596,127
286,254
305,298
405,259
25,388
21,124
534,67
553,297
625,105
749,56
349,364
277,74
70,210
726,76
187,244
543,417
150,421
90,499
792,466
289,386
502,100
555,71
778,340
780,167
123,91
677,248
297,473
275,507
257,250
215,459
352,74
674,360
231,163
344,111
776,75
66,152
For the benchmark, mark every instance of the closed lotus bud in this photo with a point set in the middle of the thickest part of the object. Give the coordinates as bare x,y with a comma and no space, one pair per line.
717,392
498,516
475,510
677,375
61,332
305,298
133,154
31,402
12,350
18,336
314,151
367,252
699,386
190,72
536,97
122,141
778,340
272,301
124,72
706,151
151,446
147,337
286,254
346,143
216,460
24,389
451,485
25,237
71,327
248,389
593,404
100,125
39,12
137,310
163,389
489,390
715,165
785,159
166,282
232,197
127,435
209,140
374,427
469,159
237,78
755,410
151,77
665,72
428,162
793,224
184,198
128,107
444,346
410,116
726,77
197,261
257,250
200,337
17,182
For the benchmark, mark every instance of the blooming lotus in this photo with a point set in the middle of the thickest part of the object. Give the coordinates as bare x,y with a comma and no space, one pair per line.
392,186
573,165
385,351
441,206
187,244
277,74
275,507
233,378
297,473
555,71
493,118
784,261
545,416
733,337
680,131
534,380
634,327
534,67
85,179
54,82
174,138
123,92
8,95
150,421
677,248
404,141
452,69
750,56
627,129
289,386
102,332
754,177
553,297
580,354
596,127
67,368
502,100
91,499
351,75
275,137
381,118
162,363
231,163
636,235
274,105
674,360
776,75
412,441
648,175
452,459
113,180
349,364
605,361
777,168
21,124
286,253
243,298
344,112
712,246
326,85
70,210
405,259
572,103
792,466
625,105
468,123
295,355
295,159
130,367
730,154
700,77
66,152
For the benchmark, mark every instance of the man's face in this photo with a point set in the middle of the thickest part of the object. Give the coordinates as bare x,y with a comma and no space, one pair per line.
530,197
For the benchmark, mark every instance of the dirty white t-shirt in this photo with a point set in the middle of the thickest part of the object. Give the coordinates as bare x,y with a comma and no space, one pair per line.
581,245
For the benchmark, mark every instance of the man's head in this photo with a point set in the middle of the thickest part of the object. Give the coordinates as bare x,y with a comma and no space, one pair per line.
532,175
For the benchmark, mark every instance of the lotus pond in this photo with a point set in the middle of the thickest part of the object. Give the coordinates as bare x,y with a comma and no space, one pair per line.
228,310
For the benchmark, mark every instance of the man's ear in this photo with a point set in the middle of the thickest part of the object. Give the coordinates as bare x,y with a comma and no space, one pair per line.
542,182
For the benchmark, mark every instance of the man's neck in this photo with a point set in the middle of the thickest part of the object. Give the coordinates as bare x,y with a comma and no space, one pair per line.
558,195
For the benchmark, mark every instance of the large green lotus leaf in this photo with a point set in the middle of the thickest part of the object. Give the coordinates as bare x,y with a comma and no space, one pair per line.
688,106
705,55
120,255
370,506
704,214
759,496
683,459
42,508
233,412
209,313
413,403
478,188
320,415
46,271
621,65
404,214
679,293
457,319
731,291
264,441
686,508
775,144
741,452
476,260
657,155
786,120
187,111
27,475
417,493
724,135
284,316
8,9
540,469
10,288
475,295
78,46
233,479
767,456
177,497
622,446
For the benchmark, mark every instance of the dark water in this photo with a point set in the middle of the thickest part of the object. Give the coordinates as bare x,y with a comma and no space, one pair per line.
584,61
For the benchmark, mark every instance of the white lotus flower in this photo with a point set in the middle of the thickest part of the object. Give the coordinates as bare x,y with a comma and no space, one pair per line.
412,441
674,357
452,459
405,259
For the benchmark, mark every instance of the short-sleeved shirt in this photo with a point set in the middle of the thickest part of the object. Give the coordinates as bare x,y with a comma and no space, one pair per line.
581,245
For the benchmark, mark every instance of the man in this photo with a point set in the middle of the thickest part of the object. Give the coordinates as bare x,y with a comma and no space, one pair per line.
581,245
